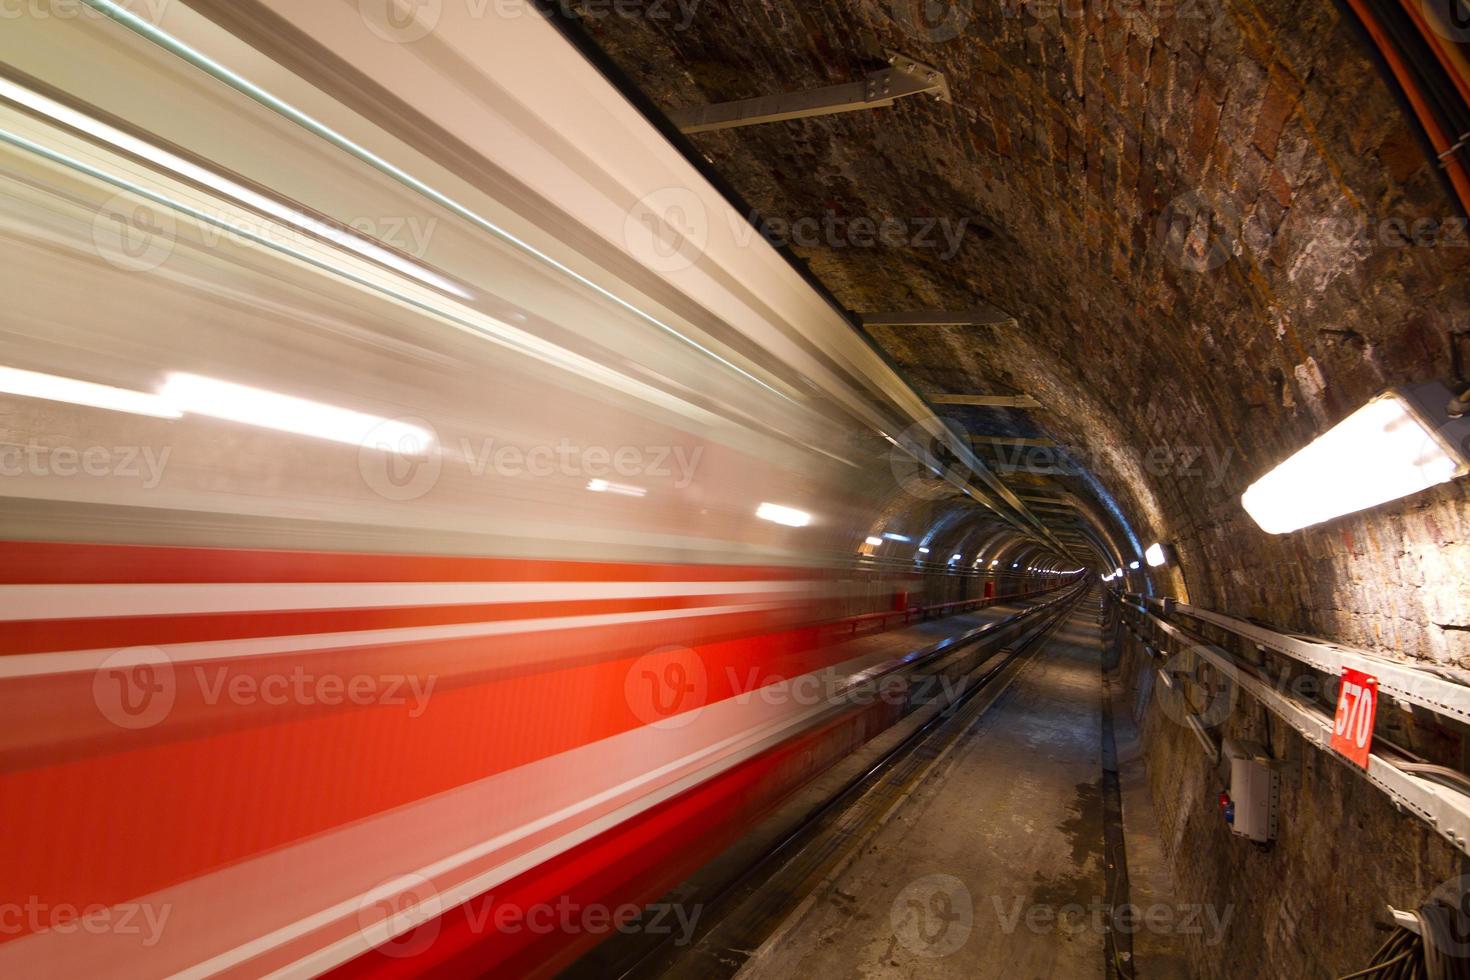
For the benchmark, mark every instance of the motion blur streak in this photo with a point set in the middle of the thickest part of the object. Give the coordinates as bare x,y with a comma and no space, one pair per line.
310,628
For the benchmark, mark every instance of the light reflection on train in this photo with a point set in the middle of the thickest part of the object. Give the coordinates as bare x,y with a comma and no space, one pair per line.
348,578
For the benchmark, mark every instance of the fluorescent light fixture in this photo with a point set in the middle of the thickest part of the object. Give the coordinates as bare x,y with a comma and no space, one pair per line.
287,413
875,542
954,557
1015,564
607,486
994,562
1117,573
32,384
1399,443
1155,555
895,537
923,551
780,514
1133,565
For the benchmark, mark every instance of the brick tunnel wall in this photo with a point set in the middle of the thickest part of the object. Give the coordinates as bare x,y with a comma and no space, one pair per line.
1305,906
1212,221
1219,235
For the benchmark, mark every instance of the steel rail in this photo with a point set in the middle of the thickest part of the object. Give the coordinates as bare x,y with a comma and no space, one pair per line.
766,865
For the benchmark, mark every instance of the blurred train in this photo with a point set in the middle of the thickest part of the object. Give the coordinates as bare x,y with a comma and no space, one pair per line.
409,471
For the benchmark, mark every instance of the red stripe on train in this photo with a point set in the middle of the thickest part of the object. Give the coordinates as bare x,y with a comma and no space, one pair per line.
634,862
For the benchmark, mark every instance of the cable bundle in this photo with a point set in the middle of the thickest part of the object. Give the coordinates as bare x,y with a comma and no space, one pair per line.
1440,951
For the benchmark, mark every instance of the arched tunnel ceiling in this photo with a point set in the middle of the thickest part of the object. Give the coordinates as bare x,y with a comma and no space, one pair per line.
1189,209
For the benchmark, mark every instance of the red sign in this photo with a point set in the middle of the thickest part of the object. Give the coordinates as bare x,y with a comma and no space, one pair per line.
1357,705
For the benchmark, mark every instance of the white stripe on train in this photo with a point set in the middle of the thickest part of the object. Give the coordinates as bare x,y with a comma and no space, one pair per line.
22,602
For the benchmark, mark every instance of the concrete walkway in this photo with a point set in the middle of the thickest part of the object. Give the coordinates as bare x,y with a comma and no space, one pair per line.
995,866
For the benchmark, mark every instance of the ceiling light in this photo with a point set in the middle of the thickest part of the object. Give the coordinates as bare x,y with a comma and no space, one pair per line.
780,514
286,413
32,384
607,486
1401,442
1133,565
875,542
895,537
1155,555
923,551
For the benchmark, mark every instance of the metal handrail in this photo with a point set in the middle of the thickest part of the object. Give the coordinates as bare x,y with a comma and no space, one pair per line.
1445,808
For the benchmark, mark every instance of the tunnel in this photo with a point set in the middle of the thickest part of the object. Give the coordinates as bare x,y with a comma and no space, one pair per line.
678,488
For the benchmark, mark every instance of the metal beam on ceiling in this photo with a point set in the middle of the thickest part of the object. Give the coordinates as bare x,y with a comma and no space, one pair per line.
904,77
1027,441
987,401
987,316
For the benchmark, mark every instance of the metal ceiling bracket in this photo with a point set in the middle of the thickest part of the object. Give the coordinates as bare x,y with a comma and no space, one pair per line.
904,76
987,401
985,316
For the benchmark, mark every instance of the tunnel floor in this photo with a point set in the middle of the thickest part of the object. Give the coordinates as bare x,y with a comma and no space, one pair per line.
997,864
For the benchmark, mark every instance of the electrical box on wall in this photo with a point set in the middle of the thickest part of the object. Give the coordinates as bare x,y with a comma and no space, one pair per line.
1253,793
